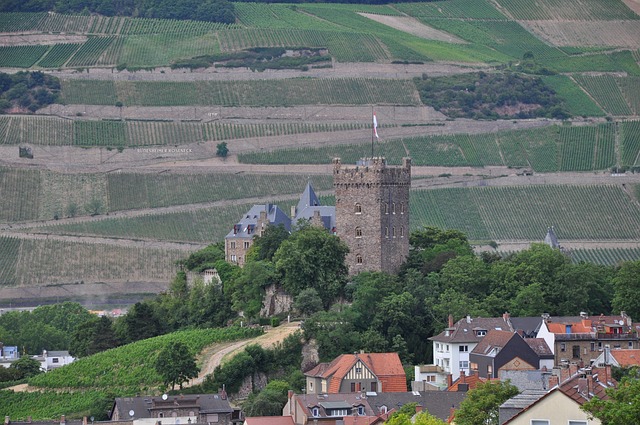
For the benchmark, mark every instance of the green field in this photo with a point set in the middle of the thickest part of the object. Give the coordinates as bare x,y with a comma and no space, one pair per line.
545,149
54,131
605,90
524,213
288,92
20,56
630,149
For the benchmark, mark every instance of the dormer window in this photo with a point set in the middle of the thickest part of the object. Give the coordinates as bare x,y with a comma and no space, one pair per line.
315,412
361,410
481,332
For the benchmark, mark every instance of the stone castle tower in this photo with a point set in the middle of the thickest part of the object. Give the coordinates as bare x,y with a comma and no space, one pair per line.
372,213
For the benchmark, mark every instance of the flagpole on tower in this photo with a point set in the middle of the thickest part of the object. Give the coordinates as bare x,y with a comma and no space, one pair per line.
374,130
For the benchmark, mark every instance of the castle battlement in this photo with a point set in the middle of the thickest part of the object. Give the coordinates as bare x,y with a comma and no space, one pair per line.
371,172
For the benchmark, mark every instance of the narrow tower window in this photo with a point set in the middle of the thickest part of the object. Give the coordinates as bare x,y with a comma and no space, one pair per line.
359,259
393,230
393,208
402,231
358,232
386,208
358,209
386,232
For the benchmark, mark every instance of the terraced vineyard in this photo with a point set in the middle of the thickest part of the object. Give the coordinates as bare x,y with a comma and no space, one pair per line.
562,10
53,131
288,92
553,148
605,91
604,256
58,55
135,191
630,150
20,56
35,262
524,213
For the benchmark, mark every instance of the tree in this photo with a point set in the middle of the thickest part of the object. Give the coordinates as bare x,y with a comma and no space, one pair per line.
266,245
26,367
422,418
222,150
312,257
140,322
307,302
269,401
623,405
627,289
482,403
94,207
176,364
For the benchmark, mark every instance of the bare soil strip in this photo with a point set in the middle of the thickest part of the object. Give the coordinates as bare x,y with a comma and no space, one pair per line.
39,39
633,5
413,26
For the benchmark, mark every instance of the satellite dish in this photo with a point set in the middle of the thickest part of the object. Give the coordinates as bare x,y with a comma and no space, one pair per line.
621,322
164,396
131,413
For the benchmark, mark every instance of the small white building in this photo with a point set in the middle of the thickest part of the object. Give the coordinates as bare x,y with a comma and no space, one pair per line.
54,359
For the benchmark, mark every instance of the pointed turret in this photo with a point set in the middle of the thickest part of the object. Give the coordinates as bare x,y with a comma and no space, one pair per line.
551,239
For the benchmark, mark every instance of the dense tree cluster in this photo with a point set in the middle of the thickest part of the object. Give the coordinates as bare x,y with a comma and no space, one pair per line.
491,96
199,10
27,91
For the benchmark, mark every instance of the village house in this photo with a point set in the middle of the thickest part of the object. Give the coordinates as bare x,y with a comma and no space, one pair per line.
504,350
356,373
582,339
210,409
618,358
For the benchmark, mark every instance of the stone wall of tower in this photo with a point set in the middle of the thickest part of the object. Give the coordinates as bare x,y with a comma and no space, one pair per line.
372,213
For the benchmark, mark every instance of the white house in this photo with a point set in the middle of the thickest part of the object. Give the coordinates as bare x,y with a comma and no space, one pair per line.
452,346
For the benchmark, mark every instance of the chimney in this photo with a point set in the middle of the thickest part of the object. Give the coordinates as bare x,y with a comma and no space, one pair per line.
573,369
468,319
463,377
505,316
450,320
290,394
418,408
583,387
553,381
293,212
449,380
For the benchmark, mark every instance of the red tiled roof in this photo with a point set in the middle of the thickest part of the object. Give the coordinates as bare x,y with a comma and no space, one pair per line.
362,420
582,389
626,357
561,328
386,366
471,380
269,420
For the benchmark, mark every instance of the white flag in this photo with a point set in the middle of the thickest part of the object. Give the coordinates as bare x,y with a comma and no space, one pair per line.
375,126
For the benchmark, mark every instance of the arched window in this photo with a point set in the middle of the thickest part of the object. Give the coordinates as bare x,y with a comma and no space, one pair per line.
401,207
358,209
358,232
393,208
358,259
386,208
315,412
161,415
393,231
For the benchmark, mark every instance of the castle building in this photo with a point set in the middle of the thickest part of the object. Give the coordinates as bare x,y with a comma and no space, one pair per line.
372,213
371,216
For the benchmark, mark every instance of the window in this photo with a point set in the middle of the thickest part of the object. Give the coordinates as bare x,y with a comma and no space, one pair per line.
386,232
233,258
402,231
161,415
358,232
575,351
401,207
463,348
563,347
310,386
393,230
577,422
593,346
338,412
246,245
358,370
374,387
539,422
430,378
358,259
353,387
358,209
361,410
212,418
386,208
481,333
315,412
233,245
489,371
55,360
464,364
383,409
447,347
630,345
393,208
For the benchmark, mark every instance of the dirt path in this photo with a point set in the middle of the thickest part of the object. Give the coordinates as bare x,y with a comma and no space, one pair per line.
215,354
